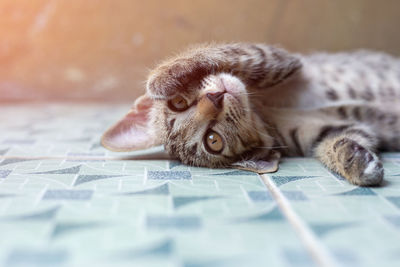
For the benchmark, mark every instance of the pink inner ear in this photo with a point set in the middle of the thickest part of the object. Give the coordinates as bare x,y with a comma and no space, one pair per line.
132,132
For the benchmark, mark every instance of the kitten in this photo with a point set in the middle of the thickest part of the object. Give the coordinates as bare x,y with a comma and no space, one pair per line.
242,105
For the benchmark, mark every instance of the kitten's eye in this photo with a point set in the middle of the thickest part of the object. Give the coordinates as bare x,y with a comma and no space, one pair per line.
213,142
178,103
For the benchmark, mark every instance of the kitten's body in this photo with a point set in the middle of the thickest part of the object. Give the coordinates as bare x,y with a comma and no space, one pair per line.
360,88
339,108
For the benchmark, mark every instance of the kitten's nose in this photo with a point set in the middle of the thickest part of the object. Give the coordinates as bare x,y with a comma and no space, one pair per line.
216,98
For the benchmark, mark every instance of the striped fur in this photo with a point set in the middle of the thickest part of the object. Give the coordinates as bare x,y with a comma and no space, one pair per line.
340,108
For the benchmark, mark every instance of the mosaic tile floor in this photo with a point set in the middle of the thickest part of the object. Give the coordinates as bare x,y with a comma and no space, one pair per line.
66,201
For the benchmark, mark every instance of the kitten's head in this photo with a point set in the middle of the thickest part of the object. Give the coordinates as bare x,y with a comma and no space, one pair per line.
211,123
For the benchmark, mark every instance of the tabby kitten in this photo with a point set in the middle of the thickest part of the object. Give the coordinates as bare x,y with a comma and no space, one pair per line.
242,105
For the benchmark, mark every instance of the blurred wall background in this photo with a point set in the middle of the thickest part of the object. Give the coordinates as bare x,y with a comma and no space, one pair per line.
102,49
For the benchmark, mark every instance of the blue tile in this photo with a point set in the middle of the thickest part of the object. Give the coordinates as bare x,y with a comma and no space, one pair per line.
169,175
295,195
273,215
394,220
173,164
182,201
68,194
38,216
7,195
322,229
63,228
4,173
48,257
159,190
259,196
163,249
72,170
281,180
394,200
89,178
95,145
236,172
346,257
359,191
11,161
174,222
298,257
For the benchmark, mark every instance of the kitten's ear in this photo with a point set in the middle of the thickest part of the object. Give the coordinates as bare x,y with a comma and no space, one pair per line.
265,164
132,132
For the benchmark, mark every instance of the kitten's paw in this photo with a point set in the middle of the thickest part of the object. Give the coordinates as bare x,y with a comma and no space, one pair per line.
179,75
359,165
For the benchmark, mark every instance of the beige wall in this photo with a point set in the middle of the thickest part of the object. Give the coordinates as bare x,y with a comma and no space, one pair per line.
102,49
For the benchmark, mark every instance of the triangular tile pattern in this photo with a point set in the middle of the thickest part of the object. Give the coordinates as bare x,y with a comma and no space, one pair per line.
295,195
11,161
260,196
183,201
281,180
71,170
236,173
38,216
182,222
274,214
394,200
7,195
95,146
34,257
346,257
67,228
173,164
298,257
169,175
93,177
323,229
159,190
163,248
394,220
359,191
4,173
65,194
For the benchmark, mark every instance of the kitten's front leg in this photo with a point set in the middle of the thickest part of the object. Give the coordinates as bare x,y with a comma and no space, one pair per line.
350,153
257,65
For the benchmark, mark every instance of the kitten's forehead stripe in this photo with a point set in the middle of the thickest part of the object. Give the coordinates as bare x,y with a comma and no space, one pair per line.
332,94
351,92
357,114
171,124
342,113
